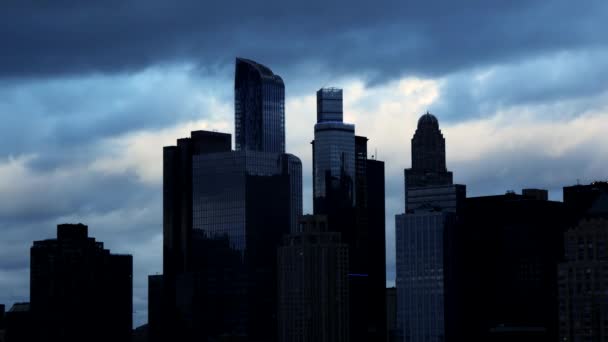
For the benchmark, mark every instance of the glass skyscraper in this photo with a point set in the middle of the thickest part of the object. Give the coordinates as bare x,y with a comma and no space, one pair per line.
349,189
259,104
333,153
225,213
222,194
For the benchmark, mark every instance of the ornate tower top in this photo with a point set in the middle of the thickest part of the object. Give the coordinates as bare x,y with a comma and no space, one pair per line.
428,146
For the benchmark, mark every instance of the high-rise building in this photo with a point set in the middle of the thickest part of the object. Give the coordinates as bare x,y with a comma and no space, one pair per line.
423,236
333,155
349,188
583,278
507,253
259,104
19,325
579,198
391,313
313,284
225,213
78,290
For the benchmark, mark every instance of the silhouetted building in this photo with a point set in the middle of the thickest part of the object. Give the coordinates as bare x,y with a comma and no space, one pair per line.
78,290
259,105
349,188
583,278
539,194
507,254
155,307
225,213
2,323
428,157
19,324
423,238
391,313
313,284
579,198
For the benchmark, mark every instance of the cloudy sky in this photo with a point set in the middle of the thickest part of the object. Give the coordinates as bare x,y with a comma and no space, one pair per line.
91,91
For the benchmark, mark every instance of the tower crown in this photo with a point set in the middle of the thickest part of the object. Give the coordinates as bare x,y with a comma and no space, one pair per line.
428,145
428,120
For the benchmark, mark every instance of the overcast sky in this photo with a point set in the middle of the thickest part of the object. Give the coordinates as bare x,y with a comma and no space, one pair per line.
91,91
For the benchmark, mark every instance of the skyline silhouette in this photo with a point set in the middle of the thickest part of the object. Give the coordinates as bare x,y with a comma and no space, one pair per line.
84,120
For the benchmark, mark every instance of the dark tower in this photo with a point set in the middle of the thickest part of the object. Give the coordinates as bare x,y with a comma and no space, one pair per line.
349,188
79,291
423,238
313,284
428,156
259,105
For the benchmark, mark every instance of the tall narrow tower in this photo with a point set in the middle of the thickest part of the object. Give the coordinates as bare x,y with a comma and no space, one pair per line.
259,106
423,233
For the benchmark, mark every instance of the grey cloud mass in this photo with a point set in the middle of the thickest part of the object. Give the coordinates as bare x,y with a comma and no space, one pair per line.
382,40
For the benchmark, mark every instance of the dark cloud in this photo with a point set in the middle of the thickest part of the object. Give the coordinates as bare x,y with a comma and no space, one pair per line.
550,79
382,40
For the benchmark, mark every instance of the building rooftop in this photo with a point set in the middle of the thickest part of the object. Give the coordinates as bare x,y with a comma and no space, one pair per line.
428,119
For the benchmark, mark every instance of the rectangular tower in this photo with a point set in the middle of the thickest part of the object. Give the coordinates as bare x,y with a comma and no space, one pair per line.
78,290
313,284
423,239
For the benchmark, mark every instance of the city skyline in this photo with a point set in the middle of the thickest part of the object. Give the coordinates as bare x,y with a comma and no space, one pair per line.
95,129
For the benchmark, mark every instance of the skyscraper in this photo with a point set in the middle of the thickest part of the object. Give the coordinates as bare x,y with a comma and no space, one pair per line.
349,188
78,290
583,277
507,255
422,233
259,104
333,155
313,284
225,213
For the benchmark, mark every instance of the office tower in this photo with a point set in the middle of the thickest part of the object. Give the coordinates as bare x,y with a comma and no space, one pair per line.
313,284
333,155
349,189
225,213
423,237
391,313
428,156
155,306
579,198
259,104
248,200
79,291
19,325
583,278
507,256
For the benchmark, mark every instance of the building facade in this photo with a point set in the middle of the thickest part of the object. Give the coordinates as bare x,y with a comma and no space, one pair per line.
349,189
79,291
313,284
507,256
333,154
259,104
423,235
225,213
583,278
